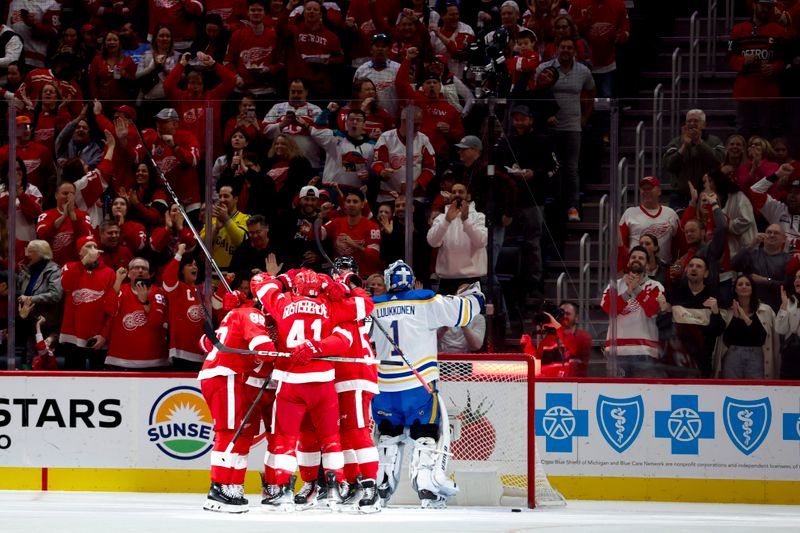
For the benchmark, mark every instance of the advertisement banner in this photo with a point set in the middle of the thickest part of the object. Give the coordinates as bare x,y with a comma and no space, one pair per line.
642,430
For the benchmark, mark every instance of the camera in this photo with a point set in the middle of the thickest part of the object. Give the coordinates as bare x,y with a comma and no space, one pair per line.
146,282
543,321
486,63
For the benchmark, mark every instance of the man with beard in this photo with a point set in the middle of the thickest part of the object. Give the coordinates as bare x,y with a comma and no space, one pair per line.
637,347
254,252
355,235
696,317
74,141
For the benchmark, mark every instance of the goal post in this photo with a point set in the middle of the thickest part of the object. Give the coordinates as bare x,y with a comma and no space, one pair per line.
490,403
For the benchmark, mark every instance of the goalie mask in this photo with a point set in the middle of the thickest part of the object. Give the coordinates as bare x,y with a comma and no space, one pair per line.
398,277
307,283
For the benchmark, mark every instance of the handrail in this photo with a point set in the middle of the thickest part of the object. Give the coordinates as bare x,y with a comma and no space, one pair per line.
675,94
711,37
694,57
560,287
622,173
658,129
603,243
584,277
638,162
729,14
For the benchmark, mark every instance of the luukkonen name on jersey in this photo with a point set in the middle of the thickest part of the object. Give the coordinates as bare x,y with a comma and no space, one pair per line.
395,310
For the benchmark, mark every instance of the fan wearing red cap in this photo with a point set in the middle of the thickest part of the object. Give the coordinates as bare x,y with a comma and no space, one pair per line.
648,217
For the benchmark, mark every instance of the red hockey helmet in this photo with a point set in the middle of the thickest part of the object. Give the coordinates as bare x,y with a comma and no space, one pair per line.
307,283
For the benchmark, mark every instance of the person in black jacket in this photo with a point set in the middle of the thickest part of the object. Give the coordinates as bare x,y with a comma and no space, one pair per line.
252,255
530,160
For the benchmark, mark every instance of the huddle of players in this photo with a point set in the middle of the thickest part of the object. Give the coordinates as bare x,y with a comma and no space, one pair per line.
319,412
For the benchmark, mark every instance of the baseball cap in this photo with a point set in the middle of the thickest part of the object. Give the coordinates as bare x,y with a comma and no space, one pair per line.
87,27
526,33
381,37
470,141
23,119
650,181
167,113
127,110
525,110
83,240
309,190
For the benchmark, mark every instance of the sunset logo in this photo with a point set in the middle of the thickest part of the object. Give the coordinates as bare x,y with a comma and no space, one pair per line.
180,424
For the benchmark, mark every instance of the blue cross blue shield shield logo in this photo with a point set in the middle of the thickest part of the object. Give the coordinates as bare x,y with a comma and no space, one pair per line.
620,420
747,422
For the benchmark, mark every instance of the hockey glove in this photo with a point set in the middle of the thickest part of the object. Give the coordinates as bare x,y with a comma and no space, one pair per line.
234,299
349,279
303,354
337,291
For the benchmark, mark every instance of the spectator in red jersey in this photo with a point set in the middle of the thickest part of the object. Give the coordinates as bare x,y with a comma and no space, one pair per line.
63,71
138,326
246,120
115,254
132,234
192,102
231,13
179,15
147,201
90,300
295,117
760,163
452,37
314,52
364,96
441,122
522,67
127,136
753,52
64,225
253,53
112,74
153,69
605,24
164,240
29,205
177,153
355,235
564,26
38,159
360,22
90,185
49,117
214,37
540,17
185,316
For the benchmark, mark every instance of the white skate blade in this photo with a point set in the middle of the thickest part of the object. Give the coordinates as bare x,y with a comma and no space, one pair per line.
369,509
313,504
218,507
280,508
433,504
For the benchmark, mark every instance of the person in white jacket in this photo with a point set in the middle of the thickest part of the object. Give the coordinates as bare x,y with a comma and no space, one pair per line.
787,324
461,236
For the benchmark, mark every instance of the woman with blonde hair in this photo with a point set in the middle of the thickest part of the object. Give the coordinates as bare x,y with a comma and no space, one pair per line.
289,169
734,154
39,284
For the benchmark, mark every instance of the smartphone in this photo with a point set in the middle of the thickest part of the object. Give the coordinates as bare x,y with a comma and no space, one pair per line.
91,342
251,112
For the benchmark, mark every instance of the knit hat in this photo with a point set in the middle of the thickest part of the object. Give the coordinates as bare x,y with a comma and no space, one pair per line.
83,240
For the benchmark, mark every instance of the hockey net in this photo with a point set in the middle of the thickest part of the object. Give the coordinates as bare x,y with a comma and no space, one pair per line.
490,406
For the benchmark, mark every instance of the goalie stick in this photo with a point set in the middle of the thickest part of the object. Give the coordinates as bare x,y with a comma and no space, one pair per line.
428,389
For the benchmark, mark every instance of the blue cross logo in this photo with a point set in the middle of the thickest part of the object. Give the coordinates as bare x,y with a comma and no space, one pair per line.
791,426
559,423
684,425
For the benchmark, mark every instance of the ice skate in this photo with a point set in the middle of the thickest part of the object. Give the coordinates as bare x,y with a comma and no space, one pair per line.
279,497
226,499
334,496
307,497
369,502
429,500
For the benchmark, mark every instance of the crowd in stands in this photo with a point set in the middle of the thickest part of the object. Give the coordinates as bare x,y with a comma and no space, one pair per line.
301,108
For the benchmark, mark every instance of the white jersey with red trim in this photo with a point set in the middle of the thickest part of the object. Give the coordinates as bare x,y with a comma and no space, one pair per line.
637,333
662,223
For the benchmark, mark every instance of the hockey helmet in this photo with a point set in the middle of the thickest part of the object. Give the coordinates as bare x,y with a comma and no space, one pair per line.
345,263
398,277
307,283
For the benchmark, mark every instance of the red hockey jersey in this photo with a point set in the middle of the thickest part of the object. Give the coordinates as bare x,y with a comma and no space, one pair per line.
62,239
139,337
178,163
89,302
185,316
243,328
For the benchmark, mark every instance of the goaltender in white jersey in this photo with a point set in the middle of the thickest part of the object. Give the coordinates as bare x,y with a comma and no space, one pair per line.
404,410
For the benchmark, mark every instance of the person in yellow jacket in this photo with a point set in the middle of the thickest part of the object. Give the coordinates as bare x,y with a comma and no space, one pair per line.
229,225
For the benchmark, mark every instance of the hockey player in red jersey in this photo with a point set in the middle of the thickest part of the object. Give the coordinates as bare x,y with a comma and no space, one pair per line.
230,383
304,317
355,384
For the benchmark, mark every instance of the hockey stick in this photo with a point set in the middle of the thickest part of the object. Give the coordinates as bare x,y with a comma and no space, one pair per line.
397,350
185,216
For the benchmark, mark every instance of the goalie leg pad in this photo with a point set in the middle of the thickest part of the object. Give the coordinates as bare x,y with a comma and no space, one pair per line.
428,477
390,461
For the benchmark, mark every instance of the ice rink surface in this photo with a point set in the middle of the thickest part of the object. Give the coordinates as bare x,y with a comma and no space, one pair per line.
41,512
